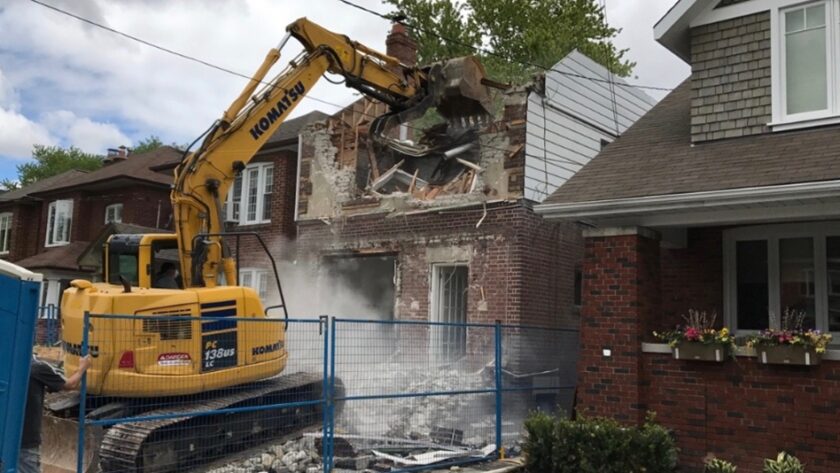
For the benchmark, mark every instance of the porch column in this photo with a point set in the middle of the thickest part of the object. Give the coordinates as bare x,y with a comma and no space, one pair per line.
620,298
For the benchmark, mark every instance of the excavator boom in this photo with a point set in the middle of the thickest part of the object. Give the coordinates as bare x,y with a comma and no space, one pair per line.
204,177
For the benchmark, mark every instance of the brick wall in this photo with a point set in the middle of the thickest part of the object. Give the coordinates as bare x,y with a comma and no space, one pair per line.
691,278
521,268
730,78
282,228
24,226
744,411
620,296
740,411
140,207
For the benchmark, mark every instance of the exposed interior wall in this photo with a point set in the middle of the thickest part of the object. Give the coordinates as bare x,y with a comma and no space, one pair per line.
340,173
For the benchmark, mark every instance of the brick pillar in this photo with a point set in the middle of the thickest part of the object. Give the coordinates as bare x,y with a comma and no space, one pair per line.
620,298
400,45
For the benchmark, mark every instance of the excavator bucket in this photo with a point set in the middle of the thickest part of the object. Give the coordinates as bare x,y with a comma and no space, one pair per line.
463,93
59,445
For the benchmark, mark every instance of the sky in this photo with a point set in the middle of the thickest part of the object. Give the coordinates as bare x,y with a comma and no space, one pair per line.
67,83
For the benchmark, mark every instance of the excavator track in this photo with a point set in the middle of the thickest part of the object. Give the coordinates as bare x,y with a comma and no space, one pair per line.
172,444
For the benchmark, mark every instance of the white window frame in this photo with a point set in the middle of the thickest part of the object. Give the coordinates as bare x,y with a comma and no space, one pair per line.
5,232
782,121
258,279
819,231
440,349
117,209
263,171
58,209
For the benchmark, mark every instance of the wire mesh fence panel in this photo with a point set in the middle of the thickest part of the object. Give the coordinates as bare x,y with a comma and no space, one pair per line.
538,371
47,331
180,393
413,388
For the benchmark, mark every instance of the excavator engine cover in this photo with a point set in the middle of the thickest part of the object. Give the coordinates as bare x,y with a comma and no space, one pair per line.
462,93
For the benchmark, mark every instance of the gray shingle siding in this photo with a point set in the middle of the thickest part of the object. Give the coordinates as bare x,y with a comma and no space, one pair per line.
730,78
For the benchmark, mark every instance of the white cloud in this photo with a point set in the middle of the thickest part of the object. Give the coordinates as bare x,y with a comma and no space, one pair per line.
18,134
119,91
84,133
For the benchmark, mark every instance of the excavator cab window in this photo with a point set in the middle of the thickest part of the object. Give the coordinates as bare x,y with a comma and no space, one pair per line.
125,265
164,265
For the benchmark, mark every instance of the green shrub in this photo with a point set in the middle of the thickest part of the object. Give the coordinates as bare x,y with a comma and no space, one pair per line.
596,445
716,465
784,463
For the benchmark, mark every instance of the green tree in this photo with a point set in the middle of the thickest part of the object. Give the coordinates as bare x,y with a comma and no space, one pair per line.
52,160
539,32
148,144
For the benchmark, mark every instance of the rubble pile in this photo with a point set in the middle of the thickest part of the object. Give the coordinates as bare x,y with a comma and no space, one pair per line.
294,456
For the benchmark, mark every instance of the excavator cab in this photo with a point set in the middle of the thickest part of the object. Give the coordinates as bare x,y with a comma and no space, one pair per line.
142,261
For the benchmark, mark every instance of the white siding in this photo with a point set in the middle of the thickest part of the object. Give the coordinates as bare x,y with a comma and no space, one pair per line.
565,128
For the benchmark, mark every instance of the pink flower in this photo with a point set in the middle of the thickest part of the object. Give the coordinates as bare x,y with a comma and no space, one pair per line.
692,334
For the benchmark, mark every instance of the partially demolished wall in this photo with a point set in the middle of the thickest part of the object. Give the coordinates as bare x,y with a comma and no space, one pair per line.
342,174
521,269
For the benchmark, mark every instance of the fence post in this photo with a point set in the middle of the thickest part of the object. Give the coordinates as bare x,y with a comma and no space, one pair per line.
498,365
80,447
324,326
330,442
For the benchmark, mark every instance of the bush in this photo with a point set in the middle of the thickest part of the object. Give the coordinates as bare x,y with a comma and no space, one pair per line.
784,463
596,445
716,465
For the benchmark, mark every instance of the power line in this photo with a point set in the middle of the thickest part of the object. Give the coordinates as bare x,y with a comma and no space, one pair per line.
232,72
493,53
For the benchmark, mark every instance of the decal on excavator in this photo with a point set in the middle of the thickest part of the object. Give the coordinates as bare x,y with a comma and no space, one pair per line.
278,110
219,351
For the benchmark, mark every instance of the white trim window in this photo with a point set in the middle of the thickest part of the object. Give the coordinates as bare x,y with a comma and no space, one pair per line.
450,284
59,221
5,232
805,60
257,279
771,269
249,199
113,213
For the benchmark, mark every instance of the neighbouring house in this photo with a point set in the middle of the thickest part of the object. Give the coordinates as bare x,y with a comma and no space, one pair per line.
722,198
49,225
262,200
393,237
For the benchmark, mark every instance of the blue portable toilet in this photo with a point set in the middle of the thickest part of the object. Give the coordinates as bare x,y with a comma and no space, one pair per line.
20,290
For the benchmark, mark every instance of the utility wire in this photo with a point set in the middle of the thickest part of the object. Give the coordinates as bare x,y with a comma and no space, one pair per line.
488,52
150,44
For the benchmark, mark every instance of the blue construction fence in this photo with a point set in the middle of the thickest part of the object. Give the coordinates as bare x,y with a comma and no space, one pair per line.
354,394
48,328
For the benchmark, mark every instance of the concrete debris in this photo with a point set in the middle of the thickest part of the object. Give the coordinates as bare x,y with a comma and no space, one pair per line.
293,456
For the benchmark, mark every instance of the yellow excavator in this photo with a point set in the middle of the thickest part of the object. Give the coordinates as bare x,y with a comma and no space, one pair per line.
140,363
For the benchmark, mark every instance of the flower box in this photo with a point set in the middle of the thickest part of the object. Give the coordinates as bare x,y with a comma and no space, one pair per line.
715,352
788,355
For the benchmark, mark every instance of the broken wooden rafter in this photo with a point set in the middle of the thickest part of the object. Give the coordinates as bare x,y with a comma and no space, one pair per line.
413,181
470,164
384,178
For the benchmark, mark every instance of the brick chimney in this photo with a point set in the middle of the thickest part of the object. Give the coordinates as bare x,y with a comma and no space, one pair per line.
400,45
116,155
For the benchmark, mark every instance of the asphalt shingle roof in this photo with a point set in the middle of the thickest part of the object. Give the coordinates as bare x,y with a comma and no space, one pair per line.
656,157
137,166
43,184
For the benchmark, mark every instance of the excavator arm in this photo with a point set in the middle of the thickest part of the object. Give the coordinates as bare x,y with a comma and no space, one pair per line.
203,178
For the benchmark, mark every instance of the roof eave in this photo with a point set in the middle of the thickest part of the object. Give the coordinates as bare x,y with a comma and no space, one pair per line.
672,30
603,209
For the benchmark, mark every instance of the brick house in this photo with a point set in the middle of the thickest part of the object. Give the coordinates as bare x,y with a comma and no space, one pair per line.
389,238
52,222
722,198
